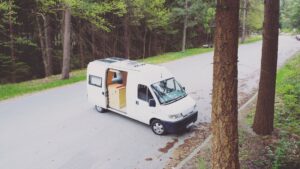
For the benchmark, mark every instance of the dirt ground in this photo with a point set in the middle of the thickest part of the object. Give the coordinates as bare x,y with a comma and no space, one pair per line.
201,132
255,152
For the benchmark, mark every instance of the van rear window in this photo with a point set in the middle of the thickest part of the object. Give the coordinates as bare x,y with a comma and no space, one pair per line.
95,80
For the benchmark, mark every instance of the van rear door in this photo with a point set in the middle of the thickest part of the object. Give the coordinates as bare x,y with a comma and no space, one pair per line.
96,86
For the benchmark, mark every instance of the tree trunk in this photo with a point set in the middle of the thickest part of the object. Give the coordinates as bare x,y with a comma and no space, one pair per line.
115,47
48,45
66,44
11,44
244,21
81,50
144,42
224,99
185,22
264,116
93,43
154,46
149,44
127,36
42,43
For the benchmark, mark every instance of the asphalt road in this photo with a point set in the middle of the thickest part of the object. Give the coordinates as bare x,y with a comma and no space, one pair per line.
59,129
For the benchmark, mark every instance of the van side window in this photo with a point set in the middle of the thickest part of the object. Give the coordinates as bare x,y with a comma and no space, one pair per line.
144,93
95,80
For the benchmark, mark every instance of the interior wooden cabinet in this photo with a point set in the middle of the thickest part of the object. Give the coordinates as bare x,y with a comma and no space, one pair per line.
117,89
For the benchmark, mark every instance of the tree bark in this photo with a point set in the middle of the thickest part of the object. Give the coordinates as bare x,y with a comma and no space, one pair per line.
127,36
144,42
48,45
264,116
81,45
224,99
81,48
11,44
42,43
94,53
185,22
150,44
66,44
244,21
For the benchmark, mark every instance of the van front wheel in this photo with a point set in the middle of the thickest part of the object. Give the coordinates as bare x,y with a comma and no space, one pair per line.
99,109
158,128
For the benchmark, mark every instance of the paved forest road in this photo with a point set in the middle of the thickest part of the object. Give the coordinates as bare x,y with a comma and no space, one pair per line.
59,129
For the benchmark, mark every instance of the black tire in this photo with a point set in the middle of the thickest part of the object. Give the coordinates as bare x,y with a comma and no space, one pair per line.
99,109
158,127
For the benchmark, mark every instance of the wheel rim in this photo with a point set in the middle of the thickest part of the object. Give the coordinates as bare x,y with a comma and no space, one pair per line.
98,108
158,128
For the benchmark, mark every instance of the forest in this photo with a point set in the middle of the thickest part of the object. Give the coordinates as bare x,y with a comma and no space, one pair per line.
39,38
245,96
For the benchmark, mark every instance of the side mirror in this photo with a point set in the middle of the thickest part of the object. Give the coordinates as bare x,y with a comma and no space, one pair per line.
152,103
183,88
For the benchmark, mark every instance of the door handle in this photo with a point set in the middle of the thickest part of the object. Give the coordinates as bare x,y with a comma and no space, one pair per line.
137,102
102,93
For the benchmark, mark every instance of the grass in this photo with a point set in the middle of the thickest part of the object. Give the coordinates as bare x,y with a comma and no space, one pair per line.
252,39
201,164
167,57
285,142
287,107
12,90
287,114
18,89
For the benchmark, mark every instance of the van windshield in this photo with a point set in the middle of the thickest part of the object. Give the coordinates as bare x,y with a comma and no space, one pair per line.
168,91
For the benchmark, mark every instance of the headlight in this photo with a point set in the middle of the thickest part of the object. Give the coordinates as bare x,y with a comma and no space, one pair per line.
175,116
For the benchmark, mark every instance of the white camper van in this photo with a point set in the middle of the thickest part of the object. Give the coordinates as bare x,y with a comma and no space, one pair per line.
144,92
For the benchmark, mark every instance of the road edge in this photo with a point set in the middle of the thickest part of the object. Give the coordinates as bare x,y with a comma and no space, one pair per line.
207,140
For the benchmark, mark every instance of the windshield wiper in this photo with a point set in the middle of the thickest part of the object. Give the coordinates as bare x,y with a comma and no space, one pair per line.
176,99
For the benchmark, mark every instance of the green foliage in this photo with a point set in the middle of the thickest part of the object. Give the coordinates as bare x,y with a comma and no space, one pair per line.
198,11
255,16
201,164
25,42
287,114
89,10
290,14
280,153
94,12
7,9
5,68
21,69
286,153
153,14
208,19
156,14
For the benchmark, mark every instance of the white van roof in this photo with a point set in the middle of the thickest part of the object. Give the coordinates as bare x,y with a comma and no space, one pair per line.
146,73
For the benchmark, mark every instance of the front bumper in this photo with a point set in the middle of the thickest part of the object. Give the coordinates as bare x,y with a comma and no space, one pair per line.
181,125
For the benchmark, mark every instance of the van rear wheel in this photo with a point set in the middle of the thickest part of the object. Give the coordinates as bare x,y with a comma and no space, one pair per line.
158,128
99,109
